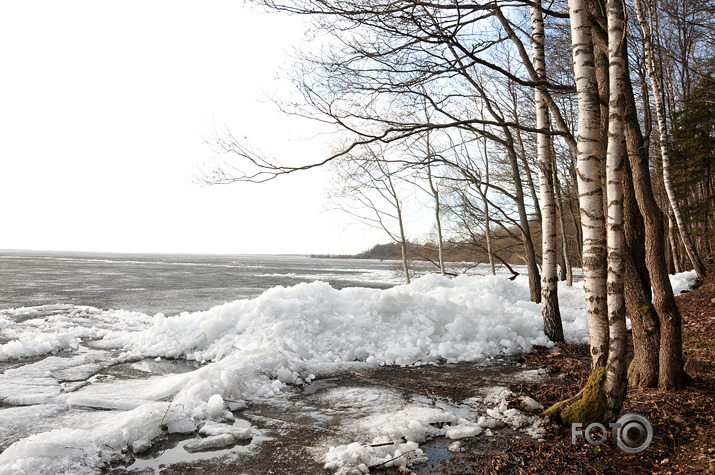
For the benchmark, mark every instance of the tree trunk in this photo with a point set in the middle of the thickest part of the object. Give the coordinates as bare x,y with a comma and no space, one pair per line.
405,266
673,243
656,84
670,357
438,221
562,226
527,170
643,371
549,250
589,181
616,382
529,251
575,216
560,257
403,239
488,234
487,219
600,52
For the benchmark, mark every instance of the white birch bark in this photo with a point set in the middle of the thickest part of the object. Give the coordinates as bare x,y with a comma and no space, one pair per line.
616,241
657,86
588,172
549,242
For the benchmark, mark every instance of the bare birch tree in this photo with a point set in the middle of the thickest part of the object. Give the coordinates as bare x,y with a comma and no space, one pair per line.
369,187
549,283
615,385
437,218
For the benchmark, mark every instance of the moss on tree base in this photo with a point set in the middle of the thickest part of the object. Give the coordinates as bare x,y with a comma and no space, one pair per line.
586,407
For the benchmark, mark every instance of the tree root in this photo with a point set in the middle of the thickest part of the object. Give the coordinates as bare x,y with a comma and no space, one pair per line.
586,407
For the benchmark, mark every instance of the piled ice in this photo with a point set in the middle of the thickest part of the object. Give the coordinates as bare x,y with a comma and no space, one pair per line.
394,436
49,329
253,349
433,319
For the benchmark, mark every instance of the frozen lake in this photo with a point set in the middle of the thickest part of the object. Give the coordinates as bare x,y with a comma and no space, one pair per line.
170,284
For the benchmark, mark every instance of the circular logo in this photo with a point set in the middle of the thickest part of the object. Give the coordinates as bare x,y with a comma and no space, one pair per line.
634,434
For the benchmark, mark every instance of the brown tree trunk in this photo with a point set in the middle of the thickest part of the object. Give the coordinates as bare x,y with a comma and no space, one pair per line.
675,255
643,371
670,371
530,252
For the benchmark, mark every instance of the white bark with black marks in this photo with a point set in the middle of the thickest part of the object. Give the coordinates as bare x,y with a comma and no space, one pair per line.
588,171
549,236
616,381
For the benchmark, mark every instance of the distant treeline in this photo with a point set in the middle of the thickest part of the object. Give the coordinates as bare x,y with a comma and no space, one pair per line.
386,251
507,246
454,252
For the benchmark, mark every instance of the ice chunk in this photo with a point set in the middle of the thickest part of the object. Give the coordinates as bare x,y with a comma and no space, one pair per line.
357,458
181,426
216,428
215,406
77,373
531,404
463,430
213,442
141,446
455,446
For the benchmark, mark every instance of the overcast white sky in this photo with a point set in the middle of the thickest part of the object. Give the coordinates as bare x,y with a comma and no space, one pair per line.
103,110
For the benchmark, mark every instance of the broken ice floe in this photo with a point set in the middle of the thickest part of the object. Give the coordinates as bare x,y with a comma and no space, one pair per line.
392,437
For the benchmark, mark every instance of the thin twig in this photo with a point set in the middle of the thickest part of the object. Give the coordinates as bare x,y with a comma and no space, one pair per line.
394,458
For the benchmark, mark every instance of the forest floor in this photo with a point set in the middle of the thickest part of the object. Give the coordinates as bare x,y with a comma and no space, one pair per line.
683,421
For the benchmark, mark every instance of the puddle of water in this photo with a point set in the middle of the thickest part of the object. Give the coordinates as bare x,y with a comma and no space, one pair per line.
318,385
144,368
437,450
171,450
465,409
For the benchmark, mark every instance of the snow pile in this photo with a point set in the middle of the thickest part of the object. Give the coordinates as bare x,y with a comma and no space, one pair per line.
36,343
683,281
433,319
514,418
